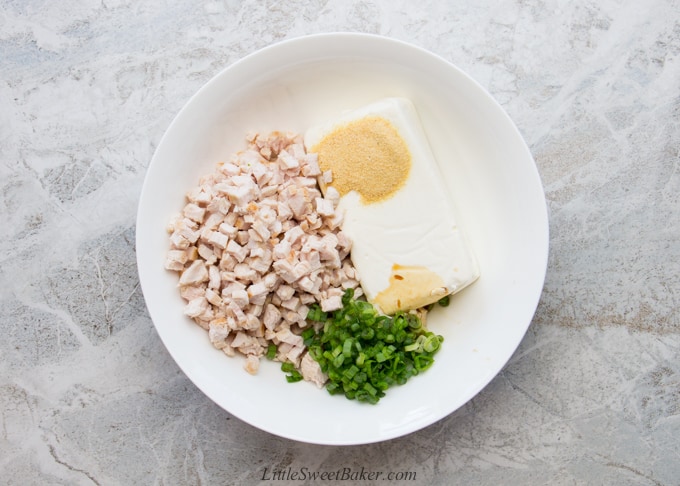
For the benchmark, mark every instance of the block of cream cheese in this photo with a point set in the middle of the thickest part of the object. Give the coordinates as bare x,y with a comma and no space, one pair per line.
406,244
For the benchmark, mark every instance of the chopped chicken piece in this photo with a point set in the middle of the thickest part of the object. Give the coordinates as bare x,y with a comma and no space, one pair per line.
237,251
286,270
190,292
291,304
213,297
194,212
332,195
207,253
311,371
257,291
312,168
214,220
282,250
294,236
175,260
196,273
324,207
272,317
218,239
331,303
294,354
285,336
245,343
288,161
218,332
240,298
260,265
252,364
285,292
214,277
196,307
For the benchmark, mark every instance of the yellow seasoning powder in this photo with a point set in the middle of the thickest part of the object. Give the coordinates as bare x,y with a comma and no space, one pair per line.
367,156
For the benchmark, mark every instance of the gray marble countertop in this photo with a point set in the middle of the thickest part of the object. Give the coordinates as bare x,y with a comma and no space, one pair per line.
88,393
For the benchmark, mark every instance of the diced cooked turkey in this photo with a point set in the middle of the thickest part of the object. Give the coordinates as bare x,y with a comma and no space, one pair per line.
332,195
194,212
288,161
311,371
237,251
213,297
240,298
190,292
293,355
272,317
252,364
218,332
214,277
331,303
286,336
311,169
255,245
175,260
247,344
258,292
285,292
196,307
286,270
195,273
218,239
324,207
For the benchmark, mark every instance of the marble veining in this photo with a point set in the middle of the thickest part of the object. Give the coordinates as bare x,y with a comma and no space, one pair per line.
88,394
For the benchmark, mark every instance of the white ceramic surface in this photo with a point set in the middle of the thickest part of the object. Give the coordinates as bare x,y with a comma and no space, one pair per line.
485,163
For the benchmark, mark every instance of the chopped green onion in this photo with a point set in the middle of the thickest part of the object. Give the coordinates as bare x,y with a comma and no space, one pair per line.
339,359
292,375
287,367
431,344
316,314
444,301
308,335
367,333
363,353
347,348
412,347
271,351
370,389
414,323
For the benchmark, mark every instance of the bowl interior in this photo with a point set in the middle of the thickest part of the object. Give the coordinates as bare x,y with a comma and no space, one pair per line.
485,164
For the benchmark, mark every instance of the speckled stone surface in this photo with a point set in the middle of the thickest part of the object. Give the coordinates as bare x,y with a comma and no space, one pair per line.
88,394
